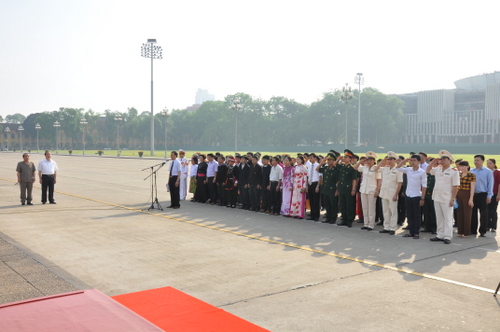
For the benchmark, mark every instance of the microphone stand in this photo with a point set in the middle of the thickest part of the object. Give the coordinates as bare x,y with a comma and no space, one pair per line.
154,188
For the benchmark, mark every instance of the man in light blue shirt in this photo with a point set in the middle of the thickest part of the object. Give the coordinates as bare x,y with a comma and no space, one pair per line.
482,195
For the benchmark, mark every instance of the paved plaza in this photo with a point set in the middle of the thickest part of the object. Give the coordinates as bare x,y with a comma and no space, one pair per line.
279,273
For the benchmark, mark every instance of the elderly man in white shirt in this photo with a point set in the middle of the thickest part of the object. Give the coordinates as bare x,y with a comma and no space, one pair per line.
184,174
390,186
369,188
444,194
275,178
47,173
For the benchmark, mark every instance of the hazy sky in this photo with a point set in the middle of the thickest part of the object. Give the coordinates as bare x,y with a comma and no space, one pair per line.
87,54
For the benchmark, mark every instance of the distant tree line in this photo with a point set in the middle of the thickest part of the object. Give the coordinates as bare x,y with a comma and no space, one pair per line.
276,122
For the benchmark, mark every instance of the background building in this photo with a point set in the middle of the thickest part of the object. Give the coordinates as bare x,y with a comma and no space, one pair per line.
468,114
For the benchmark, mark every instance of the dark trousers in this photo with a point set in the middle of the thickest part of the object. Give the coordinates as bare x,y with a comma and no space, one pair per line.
48,183
201,189
266,198
212,189
401,210
429,215
481,206
245,196
492,213
231,196
221,193
379,214
331,203
254,198
347,207
275,198
174,191
314,200
414,215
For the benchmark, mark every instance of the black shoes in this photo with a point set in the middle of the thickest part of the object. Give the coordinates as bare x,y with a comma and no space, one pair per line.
435,239
364,227
342,224
384,231
53,202
392,232
446,241
369,229
29,203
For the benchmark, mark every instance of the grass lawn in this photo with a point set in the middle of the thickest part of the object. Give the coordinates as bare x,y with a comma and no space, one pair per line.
189,153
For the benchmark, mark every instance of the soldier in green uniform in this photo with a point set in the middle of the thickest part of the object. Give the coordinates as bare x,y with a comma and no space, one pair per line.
429,211
328,182
346,188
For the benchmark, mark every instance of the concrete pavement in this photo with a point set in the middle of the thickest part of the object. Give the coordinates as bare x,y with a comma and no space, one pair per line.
282,274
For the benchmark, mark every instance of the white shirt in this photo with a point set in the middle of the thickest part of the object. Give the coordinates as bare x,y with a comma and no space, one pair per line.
276,173
212,168
423,166
312,173
445,181
194,170
175,167
369,181
47,167
389,183
416,181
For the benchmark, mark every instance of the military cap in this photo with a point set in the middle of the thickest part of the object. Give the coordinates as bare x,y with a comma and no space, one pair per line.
371,154
444,153
348,153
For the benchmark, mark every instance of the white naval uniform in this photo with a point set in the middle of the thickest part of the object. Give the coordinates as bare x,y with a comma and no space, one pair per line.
445,181
367,190
389,183
184,175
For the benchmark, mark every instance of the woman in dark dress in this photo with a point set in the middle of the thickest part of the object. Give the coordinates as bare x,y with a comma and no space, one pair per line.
201,180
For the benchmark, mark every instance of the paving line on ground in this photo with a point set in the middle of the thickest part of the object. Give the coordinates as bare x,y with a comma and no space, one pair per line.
362,261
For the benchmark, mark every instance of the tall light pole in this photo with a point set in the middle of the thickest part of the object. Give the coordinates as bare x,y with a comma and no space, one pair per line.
57,125
359,79
7,131
118,119
37,127
236,106
346,95
20,130
152,51
166,114
83,122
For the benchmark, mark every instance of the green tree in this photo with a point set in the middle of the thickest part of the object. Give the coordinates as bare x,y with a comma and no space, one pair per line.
15,118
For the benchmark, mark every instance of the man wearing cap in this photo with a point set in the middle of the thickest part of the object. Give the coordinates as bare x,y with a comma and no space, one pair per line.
346,188
444,194
184,174
415,194
369,189
391,181
328,182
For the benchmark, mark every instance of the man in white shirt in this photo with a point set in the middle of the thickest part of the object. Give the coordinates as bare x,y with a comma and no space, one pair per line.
390,185
313,187
174,180
275,178
211,172
369,188
47,173
415,194
184,174
444,194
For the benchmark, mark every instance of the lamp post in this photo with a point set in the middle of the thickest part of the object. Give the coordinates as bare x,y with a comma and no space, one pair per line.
37,127
118,119
7,131
152,51
57,125
83,122
236,106
346,95
166,114
20,130
359,79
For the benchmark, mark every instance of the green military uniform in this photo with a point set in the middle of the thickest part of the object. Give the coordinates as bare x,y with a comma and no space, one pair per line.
429,212
328,188
347,174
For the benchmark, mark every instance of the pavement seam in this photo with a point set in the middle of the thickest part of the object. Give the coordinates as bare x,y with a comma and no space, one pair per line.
362,261
313,284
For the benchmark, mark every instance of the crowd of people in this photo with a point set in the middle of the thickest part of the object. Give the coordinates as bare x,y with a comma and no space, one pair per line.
432,194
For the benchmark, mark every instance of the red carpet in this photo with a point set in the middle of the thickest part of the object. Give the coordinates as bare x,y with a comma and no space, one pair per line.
88,310
173,310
